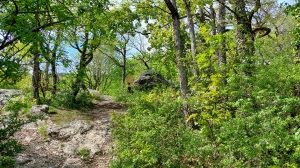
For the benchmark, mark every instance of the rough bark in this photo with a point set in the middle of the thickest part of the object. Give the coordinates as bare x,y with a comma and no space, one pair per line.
53,62
46,76
213,20
54,77
298,52
192,38
244,38
183,79
36,76
221,29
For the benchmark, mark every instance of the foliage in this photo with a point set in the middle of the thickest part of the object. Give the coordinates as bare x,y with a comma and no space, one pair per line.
11,70
243,111
85,154
151,133
65,96
11,122
98,72
43,132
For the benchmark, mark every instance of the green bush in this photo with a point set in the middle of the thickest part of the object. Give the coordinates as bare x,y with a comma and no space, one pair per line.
11,123
259,131
64,99
152,133
64,96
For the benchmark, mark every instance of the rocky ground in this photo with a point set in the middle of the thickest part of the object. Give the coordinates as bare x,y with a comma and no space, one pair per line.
75,144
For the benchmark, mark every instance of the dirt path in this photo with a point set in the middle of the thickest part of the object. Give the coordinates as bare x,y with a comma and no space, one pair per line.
50,145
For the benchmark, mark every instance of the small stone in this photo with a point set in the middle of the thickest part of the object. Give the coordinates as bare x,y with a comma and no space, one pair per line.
27,139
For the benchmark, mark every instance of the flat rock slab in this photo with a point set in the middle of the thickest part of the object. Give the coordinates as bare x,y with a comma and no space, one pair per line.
59,146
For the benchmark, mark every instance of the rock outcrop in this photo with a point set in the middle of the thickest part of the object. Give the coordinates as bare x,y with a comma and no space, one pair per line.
48,144
39,109
5,95
150,79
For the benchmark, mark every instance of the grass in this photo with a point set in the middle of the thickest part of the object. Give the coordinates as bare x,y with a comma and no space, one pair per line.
85,154
43,132
67,115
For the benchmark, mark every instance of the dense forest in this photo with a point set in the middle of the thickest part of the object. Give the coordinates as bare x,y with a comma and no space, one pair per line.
233,65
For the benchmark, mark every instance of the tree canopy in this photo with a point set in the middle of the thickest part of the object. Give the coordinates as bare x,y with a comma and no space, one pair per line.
234,65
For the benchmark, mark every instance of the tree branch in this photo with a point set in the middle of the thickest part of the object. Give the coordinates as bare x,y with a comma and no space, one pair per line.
172,8
265,29
227,7
3,45
255,9
112,58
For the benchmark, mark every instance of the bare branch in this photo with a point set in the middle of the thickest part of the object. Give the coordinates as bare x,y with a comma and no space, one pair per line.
112,58
227,7
255,9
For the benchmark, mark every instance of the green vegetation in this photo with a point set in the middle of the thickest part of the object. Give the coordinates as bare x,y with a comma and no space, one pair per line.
43,132
10,123
85,154
234,65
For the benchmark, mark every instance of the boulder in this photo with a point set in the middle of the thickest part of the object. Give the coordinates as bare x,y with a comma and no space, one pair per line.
39,109
150,79
5,95
74,127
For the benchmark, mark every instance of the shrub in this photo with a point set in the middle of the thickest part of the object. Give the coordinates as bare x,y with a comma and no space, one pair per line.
64,99
11,123
152,133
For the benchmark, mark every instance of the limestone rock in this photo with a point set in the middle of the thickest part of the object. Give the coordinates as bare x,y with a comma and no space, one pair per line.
74,127
5,94
150,79
39,109
73,163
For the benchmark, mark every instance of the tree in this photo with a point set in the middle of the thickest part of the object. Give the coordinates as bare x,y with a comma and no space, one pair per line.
183,78
293,11
139,43
122,49
192,37
245,34
38,17
86,51
98,72
85,36
15,13
221,29
52,53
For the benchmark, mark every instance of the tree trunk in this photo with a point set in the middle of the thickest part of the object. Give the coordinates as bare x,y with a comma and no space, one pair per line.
46,74
53,61
244,39
221,29
36,77
183,79
86,56
213,20
78,84
298,53
124,66
192,38
54,77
